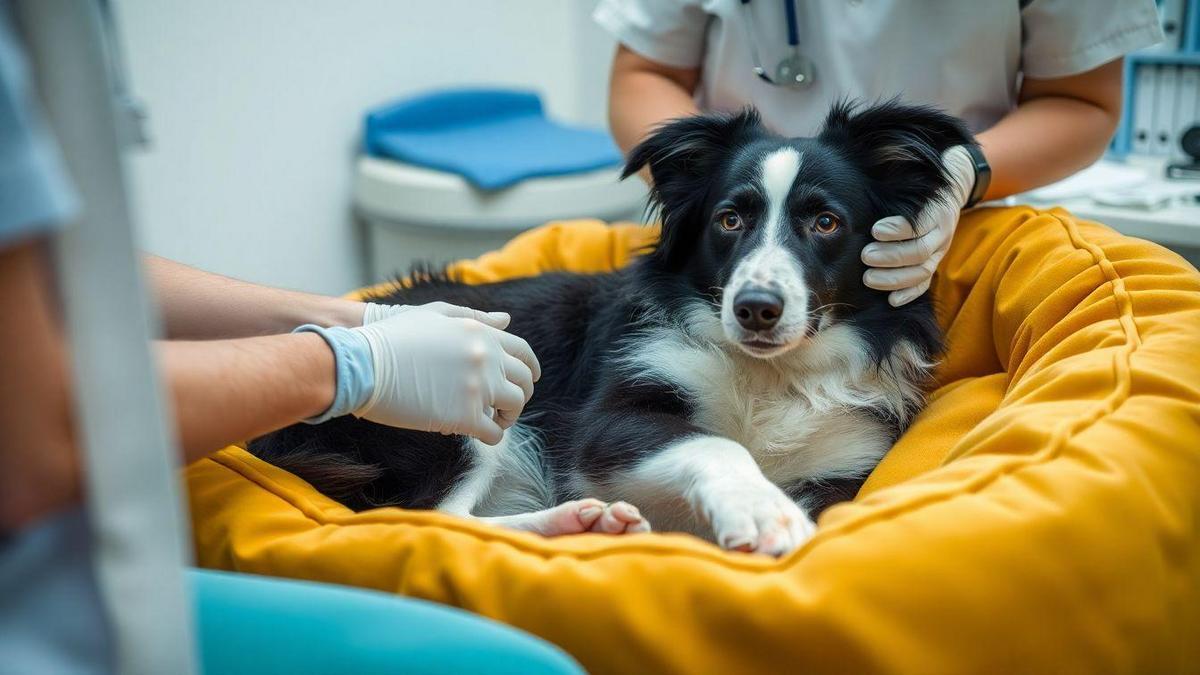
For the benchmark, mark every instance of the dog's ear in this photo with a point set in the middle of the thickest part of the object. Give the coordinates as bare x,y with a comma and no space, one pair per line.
899,147
685,147
681,155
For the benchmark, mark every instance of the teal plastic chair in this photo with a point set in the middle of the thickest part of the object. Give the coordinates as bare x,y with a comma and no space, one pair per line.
262,625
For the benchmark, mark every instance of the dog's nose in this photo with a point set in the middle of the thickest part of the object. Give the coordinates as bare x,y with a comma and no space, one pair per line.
757,308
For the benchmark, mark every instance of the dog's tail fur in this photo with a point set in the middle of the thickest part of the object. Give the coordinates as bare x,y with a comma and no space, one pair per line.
337,475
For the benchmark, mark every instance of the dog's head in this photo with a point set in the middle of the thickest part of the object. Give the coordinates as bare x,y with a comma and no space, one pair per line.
773,228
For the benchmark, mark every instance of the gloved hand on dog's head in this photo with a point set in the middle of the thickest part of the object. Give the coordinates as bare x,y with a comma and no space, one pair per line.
434,367
905,255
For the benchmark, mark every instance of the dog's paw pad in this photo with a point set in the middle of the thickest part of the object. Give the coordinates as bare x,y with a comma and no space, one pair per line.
621,518
586,511
768,522
577,517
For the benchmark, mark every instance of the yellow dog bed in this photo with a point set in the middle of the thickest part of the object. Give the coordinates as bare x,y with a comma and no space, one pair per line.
1040,515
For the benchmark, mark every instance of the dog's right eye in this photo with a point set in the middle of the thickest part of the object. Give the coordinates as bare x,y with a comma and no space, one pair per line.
729,221
826,223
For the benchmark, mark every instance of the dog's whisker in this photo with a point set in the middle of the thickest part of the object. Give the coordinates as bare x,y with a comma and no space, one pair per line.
833,304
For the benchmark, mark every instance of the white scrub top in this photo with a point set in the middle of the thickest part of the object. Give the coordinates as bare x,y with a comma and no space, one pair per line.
963,56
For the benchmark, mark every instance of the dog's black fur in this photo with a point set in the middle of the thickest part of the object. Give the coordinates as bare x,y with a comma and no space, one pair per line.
596,420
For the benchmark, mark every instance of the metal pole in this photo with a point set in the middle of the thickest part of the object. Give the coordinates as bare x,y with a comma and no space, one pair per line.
130,460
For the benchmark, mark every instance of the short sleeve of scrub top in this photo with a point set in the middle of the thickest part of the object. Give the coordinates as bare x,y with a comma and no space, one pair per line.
965,57
35,194
670,32
1067,37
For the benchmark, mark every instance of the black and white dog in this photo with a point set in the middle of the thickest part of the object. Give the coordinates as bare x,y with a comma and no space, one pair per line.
732,382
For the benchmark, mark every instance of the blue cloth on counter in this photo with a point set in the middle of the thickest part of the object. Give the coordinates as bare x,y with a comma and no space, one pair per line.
494,138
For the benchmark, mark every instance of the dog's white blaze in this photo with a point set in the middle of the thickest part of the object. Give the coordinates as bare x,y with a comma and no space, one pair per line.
778,173
771,265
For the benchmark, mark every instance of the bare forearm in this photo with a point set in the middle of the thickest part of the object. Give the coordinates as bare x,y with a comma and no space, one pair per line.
643,94
225,391
1043,141
199,305
1059,127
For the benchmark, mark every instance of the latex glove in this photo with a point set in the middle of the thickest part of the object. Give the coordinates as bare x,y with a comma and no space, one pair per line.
905,255
426,370
376,312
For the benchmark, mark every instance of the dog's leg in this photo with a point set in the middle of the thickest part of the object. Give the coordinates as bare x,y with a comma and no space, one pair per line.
654,457
685,478
576,517
725,488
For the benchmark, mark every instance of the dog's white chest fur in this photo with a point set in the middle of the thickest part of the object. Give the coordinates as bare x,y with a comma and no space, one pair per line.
789,434
801,415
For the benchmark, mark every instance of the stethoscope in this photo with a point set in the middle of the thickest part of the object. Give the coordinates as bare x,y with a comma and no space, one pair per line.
794,71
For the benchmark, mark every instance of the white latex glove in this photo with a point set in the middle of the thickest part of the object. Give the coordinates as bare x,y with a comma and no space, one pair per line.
454,375
375,312
903,257
432,368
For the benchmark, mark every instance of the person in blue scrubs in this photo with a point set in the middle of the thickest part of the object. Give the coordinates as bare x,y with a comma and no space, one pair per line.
252,373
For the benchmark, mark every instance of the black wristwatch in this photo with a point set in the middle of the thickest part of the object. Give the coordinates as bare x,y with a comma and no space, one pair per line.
983,175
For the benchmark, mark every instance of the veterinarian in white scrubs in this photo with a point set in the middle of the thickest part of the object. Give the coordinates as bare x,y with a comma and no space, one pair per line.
1038,82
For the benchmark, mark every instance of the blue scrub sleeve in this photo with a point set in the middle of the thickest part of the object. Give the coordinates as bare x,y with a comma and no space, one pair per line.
35,193
262,625
52,619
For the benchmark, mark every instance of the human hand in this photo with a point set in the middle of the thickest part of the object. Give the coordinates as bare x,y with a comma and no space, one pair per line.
433,368
903,257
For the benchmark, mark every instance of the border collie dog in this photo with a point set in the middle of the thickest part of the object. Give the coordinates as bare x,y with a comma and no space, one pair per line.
732,382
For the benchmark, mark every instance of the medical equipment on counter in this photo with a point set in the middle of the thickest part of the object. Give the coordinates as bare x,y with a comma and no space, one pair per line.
1134,197
494,138
1150,198
794,71
452,174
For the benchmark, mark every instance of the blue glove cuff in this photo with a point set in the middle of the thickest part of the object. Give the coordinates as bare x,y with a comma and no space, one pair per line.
355,371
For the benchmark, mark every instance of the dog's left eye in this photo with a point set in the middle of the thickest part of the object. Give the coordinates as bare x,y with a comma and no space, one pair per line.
730,221
826,223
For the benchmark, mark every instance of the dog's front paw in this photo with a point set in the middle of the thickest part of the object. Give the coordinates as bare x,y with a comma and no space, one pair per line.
757,519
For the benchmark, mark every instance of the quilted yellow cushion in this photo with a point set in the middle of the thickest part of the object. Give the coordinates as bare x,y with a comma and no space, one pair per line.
1040,515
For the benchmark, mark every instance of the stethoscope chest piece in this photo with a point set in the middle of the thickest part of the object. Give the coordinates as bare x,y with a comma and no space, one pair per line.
794,71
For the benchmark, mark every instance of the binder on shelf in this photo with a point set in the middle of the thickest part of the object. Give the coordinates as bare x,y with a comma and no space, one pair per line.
1185,108
1171,15
1166,90
1143,108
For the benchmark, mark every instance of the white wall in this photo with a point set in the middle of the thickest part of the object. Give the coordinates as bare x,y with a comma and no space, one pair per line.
256,105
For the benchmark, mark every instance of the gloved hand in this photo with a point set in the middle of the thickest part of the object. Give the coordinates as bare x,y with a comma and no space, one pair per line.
903,257
432,368
375,312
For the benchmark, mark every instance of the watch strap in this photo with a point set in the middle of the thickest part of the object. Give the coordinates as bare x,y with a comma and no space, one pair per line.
983,175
